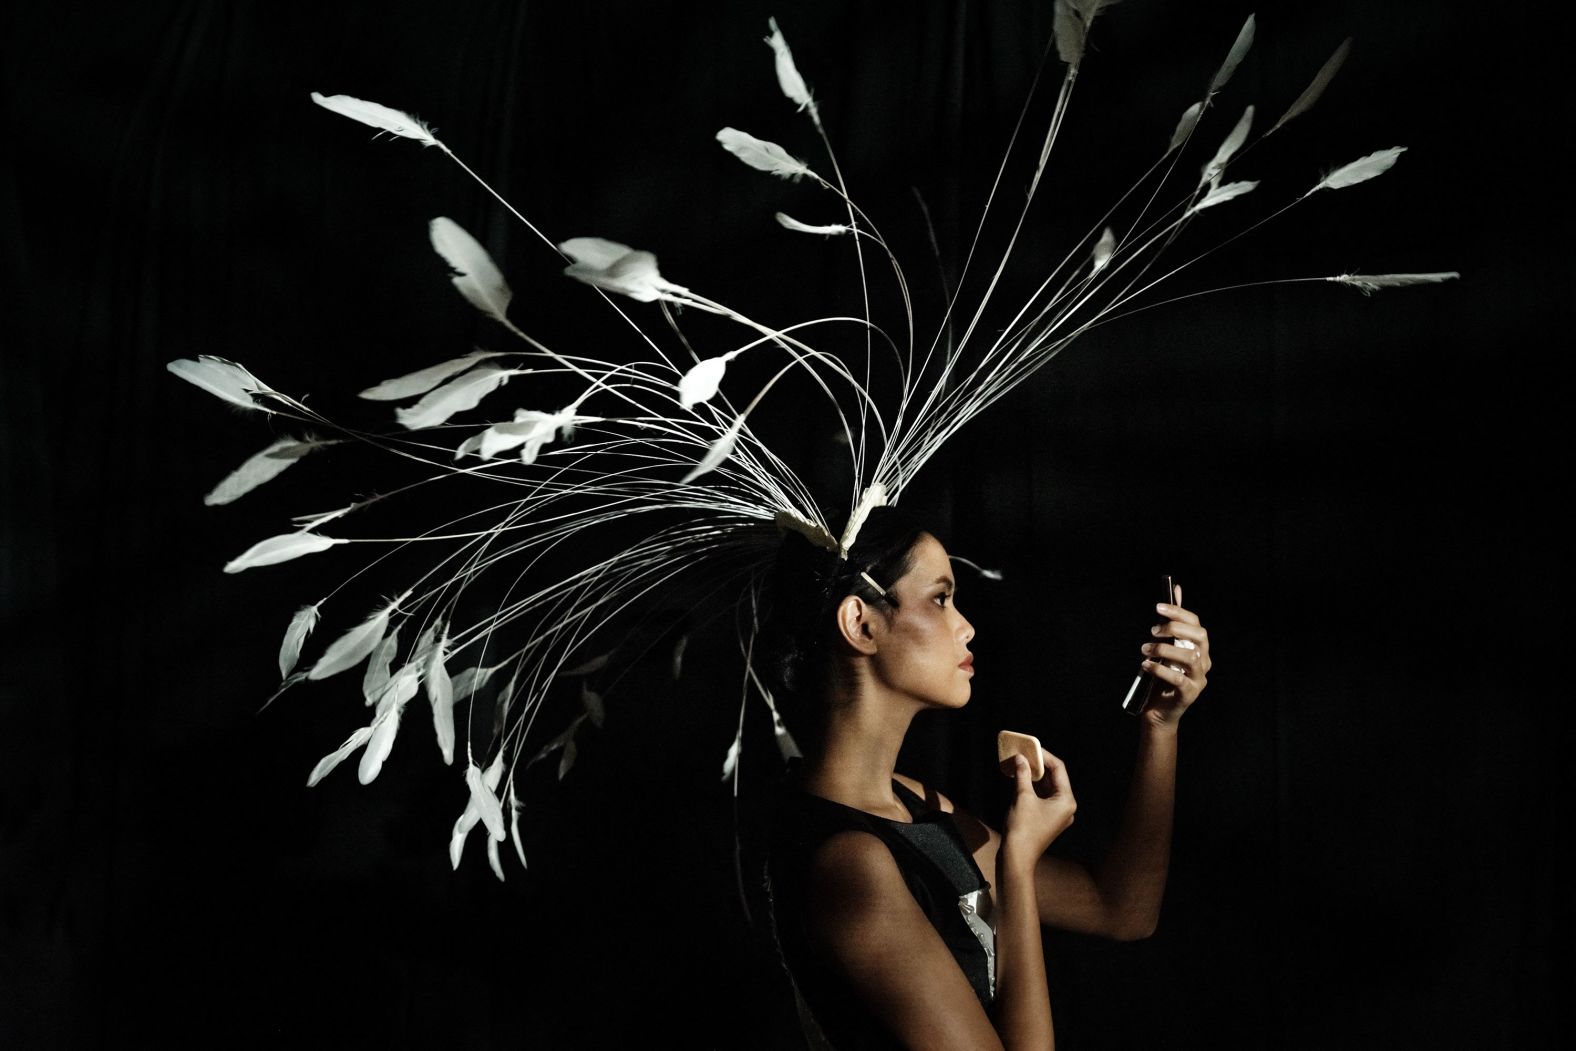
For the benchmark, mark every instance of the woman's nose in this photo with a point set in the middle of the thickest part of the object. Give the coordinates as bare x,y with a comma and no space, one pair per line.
966,632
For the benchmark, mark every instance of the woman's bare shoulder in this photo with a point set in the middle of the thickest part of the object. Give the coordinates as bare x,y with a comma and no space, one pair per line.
854,867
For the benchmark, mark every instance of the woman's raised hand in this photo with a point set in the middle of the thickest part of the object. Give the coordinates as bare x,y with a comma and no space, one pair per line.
1041,810
1183,663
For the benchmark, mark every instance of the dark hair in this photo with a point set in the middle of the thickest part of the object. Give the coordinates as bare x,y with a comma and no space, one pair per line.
806,585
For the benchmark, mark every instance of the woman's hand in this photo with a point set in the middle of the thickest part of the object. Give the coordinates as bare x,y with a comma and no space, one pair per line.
1183,663
1040,811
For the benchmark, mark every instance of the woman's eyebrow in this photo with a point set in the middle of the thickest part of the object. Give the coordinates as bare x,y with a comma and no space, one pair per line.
945,580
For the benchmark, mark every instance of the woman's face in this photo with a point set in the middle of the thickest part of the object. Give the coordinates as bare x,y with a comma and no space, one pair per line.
923,647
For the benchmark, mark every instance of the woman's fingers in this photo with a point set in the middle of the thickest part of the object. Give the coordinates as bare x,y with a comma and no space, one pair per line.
1020,775
1178,629
1188,685
1189,661
1056,772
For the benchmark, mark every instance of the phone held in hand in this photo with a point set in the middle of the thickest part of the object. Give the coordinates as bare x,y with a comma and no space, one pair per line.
1145,687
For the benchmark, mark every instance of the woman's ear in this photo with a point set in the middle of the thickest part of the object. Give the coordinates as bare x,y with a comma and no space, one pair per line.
854,624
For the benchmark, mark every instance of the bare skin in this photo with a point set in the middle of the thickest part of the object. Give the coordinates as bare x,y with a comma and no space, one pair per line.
896,663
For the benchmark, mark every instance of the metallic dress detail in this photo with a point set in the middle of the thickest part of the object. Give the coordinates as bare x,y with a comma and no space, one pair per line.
969,905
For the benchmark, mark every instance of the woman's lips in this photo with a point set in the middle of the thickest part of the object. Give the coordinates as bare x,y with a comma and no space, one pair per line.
967,664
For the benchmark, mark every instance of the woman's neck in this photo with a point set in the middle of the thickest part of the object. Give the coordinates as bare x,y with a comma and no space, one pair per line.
860,739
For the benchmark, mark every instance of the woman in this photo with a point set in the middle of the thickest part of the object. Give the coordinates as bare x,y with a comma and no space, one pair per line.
884,894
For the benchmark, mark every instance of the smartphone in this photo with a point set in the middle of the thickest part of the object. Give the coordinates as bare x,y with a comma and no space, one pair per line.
1009,744
1146,688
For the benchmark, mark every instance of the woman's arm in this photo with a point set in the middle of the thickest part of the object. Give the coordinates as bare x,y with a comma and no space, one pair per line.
1121,898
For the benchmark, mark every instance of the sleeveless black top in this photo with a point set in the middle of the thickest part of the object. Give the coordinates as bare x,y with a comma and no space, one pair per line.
939,871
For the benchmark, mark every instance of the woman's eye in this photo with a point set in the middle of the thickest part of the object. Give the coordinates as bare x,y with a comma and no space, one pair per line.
941,599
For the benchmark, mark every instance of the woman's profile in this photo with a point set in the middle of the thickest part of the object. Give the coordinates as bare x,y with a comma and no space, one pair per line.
902,920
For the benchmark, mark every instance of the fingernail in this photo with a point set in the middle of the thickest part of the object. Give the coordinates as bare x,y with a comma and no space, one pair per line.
1161,607
1147,647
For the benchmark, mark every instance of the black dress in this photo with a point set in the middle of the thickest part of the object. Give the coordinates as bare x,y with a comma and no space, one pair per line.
939,871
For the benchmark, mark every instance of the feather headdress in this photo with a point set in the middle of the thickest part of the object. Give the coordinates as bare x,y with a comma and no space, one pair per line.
659,455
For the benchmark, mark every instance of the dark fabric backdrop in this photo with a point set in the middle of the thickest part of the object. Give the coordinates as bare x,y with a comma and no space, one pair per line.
1353,491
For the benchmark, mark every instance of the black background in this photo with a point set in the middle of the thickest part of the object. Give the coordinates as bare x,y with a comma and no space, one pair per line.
1354,492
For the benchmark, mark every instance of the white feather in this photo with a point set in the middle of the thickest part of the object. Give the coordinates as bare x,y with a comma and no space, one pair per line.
788,77
470,680
378,116
476,275
678,656
591,701
494,860
700,383
567,760
280,548
420,382
1368,284
613,267
536,429
731,762
487,807
1360,170
1185,126
257,470
875,495
558,742
719,451
457,838
440,691
472,815
530,430
1070,31
786,745
595,664
1234,57
788,222
350,648
1221,193
402,686
385,725
424,641
326,765
384,729
596,252
301,626
1321,80
1102,251
458,395
1232,143
376,678
761,155
811,531
222,378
